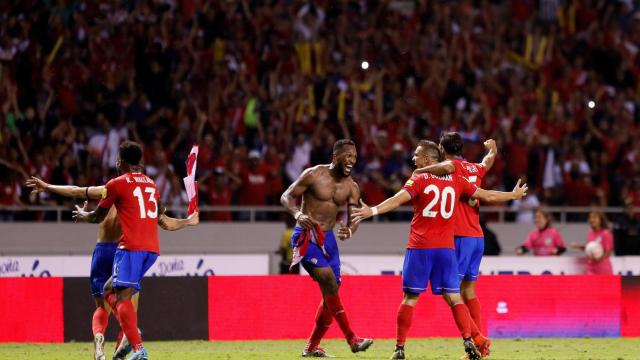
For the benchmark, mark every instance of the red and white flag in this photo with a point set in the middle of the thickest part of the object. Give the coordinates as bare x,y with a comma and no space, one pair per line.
190,183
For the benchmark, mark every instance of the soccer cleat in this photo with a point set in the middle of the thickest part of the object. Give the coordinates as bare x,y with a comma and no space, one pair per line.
398,353
471,350
139,355
98,343
360,344
124,348
482,344
315,352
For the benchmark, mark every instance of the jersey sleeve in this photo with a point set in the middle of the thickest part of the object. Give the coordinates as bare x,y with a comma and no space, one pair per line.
412,186
528,242
607,240
482,171
557,239
466,187
109,194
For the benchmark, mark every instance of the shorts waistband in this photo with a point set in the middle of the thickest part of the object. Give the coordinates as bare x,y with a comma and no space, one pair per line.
107,244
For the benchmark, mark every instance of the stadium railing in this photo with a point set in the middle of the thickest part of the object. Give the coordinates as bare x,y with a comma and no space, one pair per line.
562,214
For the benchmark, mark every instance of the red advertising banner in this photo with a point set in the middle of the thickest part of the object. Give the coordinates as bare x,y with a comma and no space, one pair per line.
31,310
283,307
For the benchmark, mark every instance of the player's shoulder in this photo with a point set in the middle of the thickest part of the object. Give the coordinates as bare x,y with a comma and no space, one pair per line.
314,171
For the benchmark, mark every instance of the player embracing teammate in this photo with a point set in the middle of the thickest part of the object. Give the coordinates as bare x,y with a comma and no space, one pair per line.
431,251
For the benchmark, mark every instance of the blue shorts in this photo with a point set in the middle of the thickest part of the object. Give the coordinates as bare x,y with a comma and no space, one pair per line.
469,252
315,257
130,266
101,266
438,266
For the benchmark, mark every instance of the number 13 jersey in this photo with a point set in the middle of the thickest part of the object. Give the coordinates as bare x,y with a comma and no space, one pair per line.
434,200
136,198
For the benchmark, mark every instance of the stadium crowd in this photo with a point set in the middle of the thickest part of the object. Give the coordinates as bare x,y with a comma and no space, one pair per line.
266,87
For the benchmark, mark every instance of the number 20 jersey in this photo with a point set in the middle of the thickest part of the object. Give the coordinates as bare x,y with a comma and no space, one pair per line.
434,200
136,198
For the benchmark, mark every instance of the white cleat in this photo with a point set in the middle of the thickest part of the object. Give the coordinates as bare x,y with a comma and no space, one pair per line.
98,343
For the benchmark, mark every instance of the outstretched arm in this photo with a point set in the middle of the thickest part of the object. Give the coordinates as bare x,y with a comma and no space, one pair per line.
80,214
491,196
90,192
490,158
172,224
391,203
439,169
297,188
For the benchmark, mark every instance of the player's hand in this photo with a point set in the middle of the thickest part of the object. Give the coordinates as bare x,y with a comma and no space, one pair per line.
520,191
80,214
361,213
194,219
306,221
344,232
37,184
491,145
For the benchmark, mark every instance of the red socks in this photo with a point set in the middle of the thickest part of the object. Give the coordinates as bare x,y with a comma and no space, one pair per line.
129,323
335,308
99,321
463,319
110,298
405,314
323,321
474,309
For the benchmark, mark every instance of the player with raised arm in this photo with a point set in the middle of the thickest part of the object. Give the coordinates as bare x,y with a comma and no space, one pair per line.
324,190
468,235
136,199
430,255
109,233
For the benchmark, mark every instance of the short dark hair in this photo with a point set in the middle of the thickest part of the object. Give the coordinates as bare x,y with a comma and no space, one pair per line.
340,144
431,149
452,143
130,152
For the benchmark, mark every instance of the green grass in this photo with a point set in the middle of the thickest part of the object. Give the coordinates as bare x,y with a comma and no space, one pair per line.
511,349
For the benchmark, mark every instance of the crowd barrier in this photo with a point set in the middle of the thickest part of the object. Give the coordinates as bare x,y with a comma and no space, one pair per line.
283,307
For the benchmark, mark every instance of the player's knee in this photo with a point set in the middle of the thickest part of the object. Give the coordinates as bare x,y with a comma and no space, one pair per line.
452,299
410,299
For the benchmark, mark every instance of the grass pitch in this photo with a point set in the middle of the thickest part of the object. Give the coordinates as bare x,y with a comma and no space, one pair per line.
435,348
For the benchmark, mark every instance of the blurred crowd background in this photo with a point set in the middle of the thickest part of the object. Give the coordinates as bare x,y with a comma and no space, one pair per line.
266,87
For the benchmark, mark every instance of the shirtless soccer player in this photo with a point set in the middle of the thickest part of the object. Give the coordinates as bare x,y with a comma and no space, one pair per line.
136,199
468,235
109,234
430,255
324,190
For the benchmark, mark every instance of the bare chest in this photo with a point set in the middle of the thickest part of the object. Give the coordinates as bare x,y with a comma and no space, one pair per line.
331,191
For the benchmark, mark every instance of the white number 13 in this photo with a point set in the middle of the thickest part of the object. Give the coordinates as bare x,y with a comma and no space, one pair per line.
143,212
448,196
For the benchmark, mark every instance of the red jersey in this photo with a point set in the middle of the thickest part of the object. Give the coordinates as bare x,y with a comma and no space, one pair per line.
434,200
467,216
136,198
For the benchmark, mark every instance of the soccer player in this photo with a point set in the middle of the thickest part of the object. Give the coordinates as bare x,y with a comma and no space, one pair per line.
137,202
468,235
430,255
324,190
109,233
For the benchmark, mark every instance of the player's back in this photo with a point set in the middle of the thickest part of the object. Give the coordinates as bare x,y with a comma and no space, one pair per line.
136,199
434,200
109,230
467,216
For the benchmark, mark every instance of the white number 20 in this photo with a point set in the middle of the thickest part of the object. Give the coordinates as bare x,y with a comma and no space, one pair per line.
143,211
448,198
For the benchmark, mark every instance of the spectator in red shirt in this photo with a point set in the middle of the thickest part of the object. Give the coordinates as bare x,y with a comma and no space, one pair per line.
219,195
